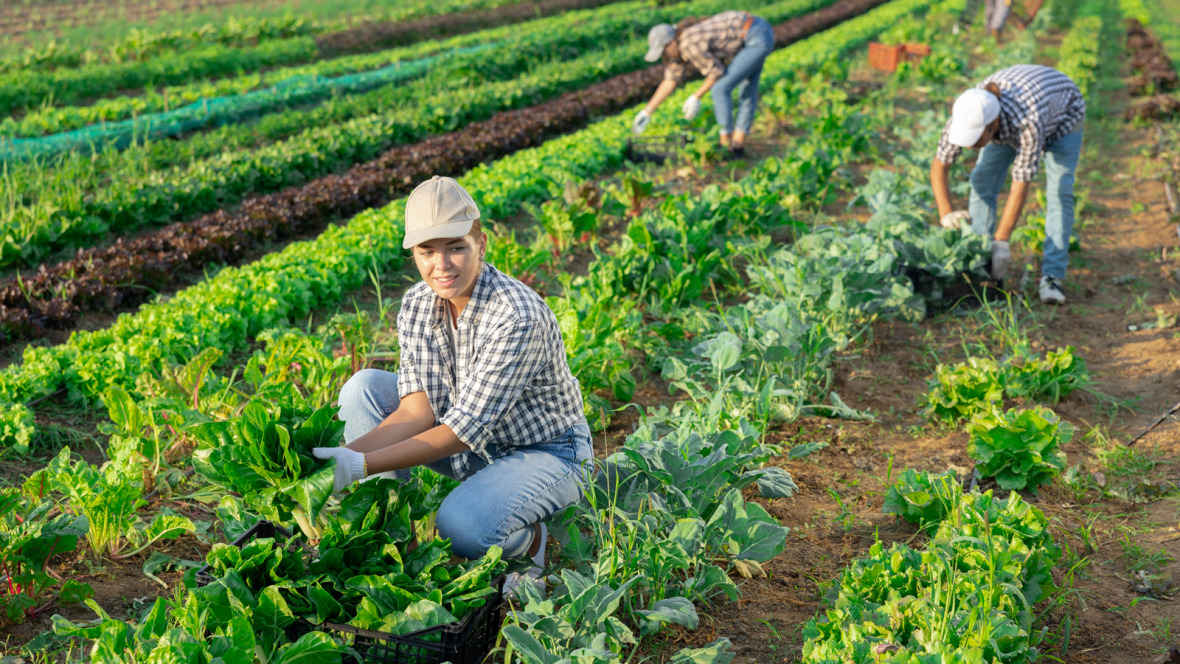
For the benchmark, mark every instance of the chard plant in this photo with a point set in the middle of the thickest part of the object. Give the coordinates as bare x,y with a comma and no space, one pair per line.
1021,449
265,456
109,504
32,531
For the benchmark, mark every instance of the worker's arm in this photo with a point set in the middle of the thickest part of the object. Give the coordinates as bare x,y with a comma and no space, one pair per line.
667,86
413,416
1012,208
942,190
437,443
705,87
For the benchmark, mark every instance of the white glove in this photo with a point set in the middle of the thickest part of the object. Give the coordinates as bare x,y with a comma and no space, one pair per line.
350,465
1000,260
691,107
640,122
955,219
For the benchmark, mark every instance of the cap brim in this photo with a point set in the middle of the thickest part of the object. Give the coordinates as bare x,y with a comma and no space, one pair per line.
963,137
654,54
451,230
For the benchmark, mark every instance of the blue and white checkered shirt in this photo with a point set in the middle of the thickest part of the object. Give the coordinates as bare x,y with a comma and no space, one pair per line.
1038,106
506,382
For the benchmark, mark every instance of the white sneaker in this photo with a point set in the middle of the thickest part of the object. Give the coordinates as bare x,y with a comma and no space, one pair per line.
1051,292
533,575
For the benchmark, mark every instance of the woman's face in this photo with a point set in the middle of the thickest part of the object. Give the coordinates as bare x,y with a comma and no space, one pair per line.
450,266
672,51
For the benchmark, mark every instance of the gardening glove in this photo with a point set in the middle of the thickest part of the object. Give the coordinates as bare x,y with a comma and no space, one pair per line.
350,465
954,220
691,107
1000,259
641,121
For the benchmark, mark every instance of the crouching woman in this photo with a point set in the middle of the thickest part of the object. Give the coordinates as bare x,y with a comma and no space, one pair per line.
483,393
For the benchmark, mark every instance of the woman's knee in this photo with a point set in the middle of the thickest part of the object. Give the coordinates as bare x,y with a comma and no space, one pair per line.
360,388
470,535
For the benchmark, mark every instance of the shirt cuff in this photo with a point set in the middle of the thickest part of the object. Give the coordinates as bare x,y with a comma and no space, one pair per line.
408,384
470,431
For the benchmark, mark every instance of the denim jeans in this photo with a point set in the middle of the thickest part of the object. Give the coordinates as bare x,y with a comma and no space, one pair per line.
1061,163
743,73
497,503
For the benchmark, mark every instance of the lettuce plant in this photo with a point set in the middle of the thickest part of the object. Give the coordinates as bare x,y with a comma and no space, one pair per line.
959,391
1020,448
30,535
922,498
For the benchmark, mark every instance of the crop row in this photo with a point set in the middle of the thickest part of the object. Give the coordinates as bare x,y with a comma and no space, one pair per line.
102,278
227,310
71,215
353,34
243,79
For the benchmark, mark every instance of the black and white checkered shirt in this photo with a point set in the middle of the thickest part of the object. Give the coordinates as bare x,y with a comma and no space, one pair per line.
507,382
1038,105
708,47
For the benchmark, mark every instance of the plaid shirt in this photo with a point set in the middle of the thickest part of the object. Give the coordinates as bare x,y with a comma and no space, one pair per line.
1038,105
509,385
708,46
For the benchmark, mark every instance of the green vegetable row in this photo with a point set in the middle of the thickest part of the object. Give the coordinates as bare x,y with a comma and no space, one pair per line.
970,596
1079,49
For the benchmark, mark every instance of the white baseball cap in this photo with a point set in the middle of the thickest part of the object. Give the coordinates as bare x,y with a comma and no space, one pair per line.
657,38
438,208
974,110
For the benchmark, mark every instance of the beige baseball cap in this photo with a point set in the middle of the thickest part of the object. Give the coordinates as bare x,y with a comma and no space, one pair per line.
438,208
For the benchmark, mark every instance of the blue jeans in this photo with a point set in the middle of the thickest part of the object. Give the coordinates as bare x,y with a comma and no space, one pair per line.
497,503
1061,163
743,73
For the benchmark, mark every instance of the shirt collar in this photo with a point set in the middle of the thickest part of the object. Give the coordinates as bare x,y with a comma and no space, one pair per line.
480,296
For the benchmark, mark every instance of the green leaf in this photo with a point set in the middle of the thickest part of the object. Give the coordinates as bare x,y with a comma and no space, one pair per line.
805,449
676,610
527,646
311,648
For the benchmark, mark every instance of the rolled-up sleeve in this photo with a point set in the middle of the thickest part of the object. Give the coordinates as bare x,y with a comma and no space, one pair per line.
947,153
409,376
1028,157
505,367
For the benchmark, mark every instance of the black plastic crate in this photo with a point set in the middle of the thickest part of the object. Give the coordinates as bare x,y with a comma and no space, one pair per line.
942,294
654,149
466,642
260,529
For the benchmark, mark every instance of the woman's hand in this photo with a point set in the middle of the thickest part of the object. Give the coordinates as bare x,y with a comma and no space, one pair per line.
641,121
350,465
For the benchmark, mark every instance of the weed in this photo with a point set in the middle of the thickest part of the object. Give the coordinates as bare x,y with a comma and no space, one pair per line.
1140,558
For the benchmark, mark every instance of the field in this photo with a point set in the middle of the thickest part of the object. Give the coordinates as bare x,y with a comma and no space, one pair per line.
822,434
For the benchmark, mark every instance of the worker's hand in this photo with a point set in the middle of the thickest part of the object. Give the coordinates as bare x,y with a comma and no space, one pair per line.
692,106
955,219
640,122
1000,259
350,465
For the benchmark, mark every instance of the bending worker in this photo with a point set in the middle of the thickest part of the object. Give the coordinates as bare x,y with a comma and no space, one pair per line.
728,50
1014,117
483,392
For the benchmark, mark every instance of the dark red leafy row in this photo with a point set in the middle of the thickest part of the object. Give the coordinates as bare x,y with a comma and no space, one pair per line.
124,274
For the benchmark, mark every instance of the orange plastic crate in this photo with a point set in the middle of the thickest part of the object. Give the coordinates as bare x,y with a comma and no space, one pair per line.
916,51
885,58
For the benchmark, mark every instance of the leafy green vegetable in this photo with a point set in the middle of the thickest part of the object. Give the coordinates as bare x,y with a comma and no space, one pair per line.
265,455
959,391
922,498
1020,448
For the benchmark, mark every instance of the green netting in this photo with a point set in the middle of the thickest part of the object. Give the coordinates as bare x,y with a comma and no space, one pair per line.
216,111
